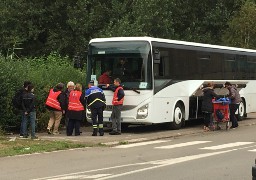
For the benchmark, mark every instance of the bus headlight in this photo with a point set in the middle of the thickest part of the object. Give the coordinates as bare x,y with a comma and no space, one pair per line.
142,112
88,112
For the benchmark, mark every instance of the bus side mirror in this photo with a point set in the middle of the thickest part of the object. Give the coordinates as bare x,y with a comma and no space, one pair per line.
156,56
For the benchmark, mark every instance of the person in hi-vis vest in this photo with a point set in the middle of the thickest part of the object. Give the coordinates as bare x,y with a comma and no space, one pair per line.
55,103
75,111
117,102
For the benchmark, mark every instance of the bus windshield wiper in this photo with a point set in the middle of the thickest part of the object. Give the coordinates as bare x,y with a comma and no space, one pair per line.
134,89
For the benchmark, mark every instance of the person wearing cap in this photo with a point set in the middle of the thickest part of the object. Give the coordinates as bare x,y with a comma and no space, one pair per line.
118,99
235,101
55,103
70,87
96,102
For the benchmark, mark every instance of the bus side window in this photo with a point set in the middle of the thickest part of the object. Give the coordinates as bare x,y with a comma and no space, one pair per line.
161,64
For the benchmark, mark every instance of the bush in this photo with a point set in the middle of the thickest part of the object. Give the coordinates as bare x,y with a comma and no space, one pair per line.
44,72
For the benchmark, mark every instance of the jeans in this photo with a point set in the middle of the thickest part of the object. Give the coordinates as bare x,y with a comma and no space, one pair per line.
22,124
32,118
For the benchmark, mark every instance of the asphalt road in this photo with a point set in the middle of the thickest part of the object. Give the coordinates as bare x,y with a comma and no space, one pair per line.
227,155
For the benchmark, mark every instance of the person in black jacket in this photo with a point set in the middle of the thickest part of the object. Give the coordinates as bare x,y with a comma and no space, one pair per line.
29,111
207,106
70,87
20,93
96,102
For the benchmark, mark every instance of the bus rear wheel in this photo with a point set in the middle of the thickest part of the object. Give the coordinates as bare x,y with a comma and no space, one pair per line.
241,110
178,117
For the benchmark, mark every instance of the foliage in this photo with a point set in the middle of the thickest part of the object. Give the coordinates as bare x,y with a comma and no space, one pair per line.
36,28
44,72
242,29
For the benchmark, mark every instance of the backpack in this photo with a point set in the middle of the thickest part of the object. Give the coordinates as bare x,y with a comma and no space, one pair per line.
17,99
219,114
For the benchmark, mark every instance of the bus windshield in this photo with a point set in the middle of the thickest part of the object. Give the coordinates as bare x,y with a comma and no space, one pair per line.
129,61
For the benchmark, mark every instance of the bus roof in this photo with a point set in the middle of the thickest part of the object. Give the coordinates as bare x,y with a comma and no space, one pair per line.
150,39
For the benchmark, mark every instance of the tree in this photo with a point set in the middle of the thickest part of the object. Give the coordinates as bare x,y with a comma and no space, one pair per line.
242,29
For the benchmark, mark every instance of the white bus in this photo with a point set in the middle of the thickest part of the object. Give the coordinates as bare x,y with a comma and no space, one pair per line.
162,77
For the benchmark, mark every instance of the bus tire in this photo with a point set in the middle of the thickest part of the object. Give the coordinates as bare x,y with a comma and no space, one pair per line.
178,117
241,110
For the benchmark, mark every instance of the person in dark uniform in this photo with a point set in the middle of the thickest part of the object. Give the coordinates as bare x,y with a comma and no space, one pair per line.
117,102
96,102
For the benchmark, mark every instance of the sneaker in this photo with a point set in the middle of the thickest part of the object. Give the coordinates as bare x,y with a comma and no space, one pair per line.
56,133
49,131
102,134
21,135
114,133
34,137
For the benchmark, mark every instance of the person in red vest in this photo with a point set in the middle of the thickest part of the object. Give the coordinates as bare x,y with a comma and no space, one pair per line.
55,103
105,77
75,111
118,100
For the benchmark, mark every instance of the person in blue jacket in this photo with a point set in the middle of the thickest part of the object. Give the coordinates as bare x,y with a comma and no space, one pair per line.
96,102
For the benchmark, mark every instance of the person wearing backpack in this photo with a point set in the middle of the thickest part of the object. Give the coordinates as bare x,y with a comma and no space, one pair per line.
17,103
55,103
29,111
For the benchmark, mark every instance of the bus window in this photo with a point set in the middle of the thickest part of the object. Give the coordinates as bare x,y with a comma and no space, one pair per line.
230,66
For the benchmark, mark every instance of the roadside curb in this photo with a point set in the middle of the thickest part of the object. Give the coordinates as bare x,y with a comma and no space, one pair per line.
129,138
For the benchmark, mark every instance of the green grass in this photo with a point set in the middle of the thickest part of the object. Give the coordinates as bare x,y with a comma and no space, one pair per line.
28,146
123,142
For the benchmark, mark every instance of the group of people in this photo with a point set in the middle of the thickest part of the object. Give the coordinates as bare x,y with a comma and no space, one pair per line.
207,104
72,104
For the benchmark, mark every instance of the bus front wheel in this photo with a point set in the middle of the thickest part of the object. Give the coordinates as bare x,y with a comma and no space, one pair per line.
178,117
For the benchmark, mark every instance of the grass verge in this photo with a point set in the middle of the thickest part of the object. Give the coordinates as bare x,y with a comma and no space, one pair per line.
27,146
